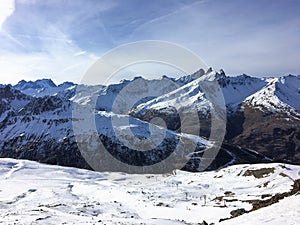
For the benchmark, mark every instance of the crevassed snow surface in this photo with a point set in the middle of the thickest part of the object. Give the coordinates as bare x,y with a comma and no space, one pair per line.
33,193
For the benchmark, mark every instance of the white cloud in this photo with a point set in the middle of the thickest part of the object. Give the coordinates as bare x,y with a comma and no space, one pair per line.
15,67
47,51
7,8
60,60
80,53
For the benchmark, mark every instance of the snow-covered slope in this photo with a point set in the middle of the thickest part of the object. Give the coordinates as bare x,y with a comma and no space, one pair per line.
278,95
237,89
275,94
128,88
284,212
234,89
43,194
187,97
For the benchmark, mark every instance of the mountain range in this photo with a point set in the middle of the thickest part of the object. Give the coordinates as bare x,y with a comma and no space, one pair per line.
262,120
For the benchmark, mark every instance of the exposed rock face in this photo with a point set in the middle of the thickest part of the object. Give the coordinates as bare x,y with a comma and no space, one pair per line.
275,135
271,123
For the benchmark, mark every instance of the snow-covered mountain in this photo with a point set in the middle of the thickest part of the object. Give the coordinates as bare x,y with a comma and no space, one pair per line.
272,94
262,113
262,118
237,89
278,95
240,194
43,87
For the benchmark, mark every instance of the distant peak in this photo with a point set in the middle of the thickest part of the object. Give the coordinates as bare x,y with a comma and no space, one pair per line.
47,82
66,84
222,72
21,82
210,69
138,77
292,75
38,84
165,77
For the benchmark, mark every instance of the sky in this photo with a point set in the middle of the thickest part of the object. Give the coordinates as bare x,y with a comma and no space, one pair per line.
61,39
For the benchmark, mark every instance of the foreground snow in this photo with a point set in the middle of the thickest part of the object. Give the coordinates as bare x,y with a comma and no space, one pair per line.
33,193
287,211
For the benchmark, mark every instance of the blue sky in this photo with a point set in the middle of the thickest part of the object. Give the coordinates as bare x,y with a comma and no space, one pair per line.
60,39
